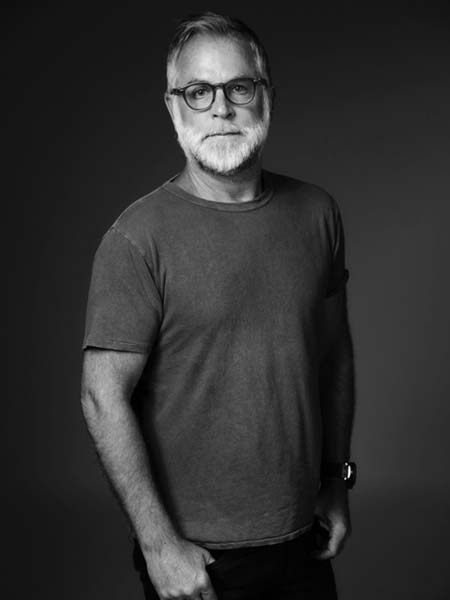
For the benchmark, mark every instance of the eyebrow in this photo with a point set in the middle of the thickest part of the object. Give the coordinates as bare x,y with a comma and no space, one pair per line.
241,76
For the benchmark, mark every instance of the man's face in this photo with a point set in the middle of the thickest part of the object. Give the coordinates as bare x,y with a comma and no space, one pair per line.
226,138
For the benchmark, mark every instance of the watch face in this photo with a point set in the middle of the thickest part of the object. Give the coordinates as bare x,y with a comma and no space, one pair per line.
345,471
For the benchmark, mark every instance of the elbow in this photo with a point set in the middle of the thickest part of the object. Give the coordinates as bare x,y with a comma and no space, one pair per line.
91,397
102,402
90,403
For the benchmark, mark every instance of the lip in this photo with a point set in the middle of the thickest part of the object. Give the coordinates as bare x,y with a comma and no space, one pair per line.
223,134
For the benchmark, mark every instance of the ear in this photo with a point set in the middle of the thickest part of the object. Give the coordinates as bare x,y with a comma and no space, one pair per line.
272,100
168,102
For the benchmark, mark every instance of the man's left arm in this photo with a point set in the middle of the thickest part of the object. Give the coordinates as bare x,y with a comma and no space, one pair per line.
337,396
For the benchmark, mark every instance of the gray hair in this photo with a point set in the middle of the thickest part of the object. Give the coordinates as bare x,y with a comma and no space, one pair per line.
209,23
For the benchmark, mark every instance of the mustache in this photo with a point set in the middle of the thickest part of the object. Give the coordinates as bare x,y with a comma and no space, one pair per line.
228,131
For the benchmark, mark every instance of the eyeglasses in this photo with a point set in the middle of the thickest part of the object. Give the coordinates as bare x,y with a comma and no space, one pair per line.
201,96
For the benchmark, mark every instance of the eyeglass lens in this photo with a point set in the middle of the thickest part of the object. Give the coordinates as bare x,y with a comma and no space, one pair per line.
238,91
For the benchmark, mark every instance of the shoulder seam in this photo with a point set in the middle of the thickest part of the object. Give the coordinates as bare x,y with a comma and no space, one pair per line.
129,239
135,245
139,200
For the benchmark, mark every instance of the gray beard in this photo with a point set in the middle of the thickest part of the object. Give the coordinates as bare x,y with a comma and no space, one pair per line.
230,161
246,164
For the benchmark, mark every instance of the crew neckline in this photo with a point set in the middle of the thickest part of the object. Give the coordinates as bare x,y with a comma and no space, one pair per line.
260,200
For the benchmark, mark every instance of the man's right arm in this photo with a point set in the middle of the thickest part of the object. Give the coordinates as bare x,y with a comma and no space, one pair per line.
176,566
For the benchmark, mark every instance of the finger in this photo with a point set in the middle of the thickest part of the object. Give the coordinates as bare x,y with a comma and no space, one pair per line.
207,591
208,594
337,541
321,554
334,545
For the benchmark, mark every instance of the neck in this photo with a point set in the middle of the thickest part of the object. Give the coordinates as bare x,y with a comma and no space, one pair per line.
241,187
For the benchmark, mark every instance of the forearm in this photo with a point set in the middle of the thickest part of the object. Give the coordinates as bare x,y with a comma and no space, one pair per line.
337,394
122,452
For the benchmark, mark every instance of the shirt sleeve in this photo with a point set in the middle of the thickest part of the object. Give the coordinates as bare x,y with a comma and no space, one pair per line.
124,307
339,274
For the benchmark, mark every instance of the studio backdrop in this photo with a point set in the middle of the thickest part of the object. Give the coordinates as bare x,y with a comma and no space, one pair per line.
361,110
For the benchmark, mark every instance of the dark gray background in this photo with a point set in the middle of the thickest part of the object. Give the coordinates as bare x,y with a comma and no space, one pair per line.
363,110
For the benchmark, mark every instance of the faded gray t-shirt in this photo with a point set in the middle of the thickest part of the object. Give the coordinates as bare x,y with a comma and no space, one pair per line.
225,298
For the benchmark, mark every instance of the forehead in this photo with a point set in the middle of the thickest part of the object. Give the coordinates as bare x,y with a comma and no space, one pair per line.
214,59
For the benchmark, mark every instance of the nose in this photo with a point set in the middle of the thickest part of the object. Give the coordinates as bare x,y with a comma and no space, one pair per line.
221,107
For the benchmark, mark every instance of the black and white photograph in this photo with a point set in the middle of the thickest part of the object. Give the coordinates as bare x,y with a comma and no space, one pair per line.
227,301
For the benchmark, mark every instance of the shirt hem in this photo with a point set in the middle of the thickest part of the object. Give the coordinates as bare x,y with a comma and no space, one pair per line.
109,344
267,541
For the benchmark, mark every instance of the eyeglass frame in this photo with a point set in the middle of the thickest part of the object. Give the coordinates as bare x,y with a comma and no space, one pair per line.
215,86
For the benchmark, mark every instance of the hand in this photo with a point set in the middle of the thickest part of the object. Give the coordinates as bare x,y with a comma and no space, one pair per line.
178,571
333,514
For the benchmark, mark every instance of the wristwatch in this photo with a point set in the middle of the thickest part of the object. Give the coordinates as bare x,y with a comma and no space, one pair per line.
345,471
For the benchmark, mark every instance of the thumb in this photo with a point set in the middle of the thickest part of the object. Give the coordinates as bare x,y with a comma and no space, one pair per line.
209,558
209,593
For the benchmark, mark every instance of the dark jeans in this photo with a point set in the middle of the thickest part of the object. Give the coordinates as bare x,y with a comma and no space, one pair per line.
283,571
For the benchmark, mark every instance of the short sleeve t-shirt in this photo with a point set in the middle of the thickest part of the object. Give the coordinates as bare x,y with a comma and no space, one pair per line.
225,299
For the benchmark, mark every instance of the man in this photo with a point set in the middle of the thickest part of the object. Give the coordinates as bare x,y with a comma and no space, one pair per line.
218,369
